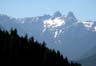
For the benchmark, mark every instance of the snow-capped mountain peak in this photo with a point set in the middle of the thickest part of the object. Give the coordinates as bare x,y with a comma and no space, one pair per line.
70,17
56,14
53,23
64,33
88,24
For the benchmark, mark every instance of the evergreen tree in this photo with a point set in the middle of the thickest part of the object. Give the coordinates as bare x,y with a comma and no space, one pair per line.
16,50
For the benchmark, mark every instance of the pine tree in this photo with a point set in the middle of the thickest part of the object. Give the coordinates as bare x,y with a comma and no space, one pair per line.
18,50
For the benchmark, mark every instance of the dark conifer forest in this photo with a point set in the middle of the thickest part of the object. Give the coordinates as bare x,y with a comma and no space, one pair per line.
19,50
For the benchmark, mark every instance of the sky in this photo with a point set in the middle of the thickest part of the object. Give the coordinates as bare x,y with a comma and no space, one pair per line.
83,9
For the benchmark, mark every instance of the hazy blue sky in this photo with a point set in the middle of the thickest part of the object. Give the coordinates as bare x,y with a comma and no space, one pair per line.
83,9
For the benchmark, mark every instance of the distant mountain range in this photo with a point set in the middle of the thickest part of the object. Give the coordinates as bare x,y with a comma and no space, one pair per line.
89,61
72,37
89,58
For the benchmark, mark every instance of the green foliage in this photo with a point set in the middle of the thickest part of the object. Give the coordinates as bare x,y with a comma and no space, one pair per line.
17,50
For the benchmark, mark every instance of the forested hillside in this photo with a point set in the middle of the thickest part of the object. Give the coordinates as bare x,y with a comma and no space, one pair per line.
18,50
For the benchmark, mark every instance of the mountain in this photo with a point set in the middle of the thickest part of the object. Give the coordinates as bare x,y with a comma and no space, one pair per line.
89,53
56,14
72,37
88,61
89,58
18,50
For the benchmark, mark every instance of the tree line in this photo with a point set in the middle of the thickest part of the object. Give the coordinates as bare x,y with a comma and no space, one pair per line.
21,50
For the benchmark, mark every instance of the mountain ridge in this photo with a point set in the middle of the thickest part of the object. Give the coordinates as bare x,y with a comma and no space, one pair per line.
60,32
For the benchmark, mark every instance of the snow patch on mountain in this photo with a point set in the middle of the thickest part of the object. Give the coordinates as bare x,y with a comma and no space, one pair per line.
88,24
60,32
53,23
95,28
56,33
